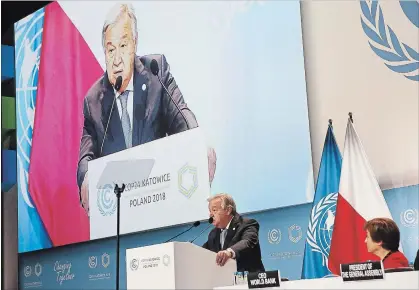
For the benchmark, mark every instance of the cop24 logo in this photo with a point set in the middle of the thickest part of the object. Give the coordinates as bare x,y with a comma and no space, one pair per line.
106,200
397,56
188,180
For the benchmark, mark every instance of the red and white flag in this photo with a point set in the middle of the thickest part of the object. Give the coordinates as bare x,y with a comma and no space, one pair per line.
360,199
67,70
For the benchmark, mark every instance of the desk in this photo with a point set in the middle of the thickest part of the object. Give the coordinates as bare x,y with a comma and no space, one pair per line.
399,280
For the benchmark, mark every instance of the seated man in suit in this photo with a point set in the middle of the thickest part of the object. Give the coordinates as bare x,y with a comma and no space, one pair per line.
135,111
233,237
383,238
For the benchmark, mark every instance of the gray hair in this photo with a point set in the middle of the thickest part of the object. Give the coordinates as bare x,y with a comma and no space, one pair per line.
226,201
115,14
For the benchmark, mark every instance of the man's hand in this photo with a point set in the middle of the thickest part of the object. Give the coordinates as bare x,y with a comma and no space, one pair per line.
84,192
222,257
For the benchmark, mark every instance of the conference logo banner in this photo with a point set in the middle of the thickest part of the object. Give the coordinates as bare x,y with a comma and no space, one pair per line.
32,275
281,234
81,266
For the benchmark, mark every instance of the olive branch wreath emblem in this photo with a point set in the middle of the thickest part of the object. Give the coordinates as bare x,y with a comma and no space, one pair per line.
316,212
398,56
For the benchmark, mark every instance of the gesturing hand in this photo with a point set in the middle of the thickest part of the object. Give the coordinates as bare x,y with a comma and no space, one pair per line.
222,257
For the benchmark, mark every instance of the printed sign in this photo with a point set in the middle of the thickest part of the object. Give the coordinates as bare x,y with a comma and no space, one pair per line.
362,271
263,279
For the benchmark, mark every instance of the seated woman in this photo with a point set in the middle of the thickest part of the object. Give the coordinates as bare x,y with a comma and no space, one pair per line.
383,238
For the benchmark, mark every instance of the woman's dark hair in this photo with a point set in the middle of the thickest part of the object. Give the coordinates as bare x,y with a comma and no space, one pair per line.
384,230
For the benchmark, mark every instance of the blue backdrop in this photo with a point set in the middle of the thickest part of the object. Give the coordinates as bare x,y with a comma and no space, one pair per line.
92,265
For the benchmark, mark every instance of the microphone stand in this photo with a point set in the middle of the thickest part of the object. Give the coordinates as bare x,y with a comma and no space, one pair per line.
193,240
180,234
118,190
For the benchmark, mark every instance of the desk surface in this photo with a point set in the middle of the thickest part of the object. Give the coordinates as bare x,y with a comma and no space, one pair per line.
400,280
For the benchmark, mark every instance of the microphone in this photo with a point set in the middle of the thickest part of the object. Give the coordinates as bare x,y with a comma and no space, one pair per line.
118,84
195,224
154,67
210,220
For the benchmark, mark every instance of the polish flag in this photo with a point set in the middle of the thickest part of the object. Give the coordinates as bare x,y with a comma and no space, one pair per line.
359,200
67,70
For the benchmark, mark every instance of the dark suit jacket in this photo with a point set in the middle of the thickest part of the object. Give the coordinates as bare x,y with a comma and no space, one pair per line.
243,238
154,114
416,263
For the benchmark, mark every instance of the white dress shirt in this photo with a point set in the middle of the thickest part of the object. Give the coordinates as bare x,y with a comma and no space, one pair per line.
130,102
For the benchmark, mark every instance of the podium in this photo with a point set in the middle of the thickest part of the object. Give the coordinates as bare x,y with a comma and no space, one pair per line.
167,176
176,265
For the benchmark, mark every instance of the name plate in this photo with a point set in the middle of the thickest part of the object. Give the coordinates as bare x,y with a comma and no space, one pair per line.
362,271
263,279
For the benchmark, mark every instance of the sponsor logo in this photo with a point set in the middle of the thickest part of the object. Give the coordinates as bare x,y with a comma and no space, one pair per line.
409,217
106,200
38,269
99,273
295,233
92,262
27,271
166,260
134,264
187,180
106,260
274,236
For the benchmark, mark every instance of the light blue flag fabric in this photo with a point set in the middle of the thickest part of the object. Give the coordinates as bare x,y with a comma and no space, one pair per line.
28,39
320,226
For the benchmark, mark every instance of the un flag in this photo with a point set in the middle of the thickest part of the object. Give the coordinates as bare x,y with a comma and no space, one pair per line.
320,226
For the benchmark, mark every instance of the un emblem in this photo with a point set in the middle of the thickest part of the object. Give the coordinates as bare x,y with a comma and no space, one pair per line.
106,200
28,42
397,56
320,227
187,180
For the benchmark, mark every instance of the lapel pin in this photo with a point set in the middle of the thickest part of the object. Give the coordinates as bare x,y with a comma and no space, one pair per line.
234,229
144,87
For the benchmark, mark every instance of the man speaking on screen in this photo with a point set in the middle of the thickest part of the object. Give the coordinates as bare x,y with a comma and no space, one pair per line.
234,237
128,105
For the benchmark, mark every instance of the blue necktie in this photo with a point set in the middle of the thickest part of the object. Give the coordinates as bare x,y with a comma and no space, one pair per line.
126,124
